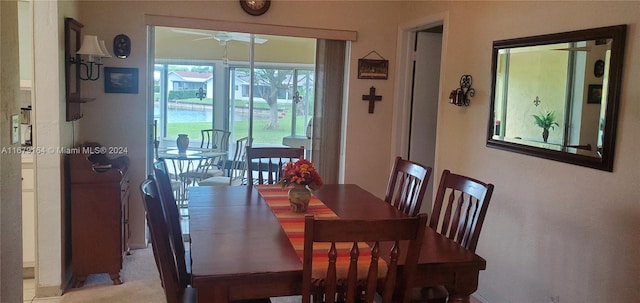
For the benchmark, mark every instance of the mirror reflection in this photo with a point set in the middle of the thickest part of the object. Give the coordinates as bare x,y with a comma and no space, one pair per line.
555,96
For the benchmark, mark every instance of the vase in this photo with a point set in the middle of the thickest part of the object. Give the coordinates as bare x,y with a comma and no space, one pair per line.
299,197
182,143
545,135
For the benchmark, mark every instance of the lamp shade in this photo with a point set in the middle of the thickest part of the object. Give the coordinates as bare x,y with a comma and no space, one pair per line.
91,47
104,50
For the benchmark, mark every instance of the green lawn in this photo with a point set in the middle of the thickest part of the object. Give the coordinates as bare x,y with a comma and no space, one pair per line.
241,129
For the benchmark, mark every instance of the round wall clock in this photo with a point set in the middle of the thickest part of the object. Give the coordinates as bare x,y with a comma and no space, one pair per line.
122,46
255,7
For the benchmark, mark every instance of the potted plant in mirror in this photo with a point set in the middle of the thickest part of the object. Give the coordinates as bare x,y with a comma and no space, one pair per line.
303,175
546,121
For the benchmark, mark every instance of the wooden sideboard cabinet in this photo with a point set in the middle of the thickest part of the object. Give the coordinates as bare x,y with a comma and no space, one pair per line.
99,196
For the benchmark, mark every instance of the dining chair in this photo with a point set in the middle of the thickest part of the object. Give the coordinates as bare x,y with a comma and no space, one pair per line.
217,139
175,290
237,170
264,164
458,213
407,186
213,139
172,218
460,207
171,277
176,185
344,274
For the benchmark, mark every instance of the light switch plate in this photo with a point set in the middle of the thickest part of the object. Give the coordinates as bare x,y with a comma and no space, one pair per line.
15,129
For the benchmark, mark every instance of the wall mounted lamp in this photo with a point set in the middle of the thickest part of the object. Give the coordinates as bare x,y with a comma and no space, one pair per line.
94,50
460,96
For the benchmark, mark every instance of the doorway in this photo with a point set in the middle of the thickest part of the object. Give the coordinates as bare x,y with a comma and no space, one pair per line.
421,54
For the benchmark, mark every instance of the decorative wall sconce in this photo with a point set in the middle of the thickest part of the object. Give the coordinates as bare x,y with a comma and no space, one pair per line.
94,50
460,96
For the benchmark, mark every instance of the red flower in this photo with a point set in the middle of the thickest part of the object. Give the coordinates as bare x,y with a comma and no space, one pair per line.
300,172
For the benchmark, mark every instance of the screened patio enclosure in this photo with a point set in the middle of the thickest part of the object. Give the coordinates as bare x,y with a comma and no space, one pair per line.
261,86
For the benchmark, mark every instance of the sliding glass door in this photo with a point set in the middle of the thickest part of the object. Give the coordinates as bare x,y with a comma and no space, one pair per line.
203,79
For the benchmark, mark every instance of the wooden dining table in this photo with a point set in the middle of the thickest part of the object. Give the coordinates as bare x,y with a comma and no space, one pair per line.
240,251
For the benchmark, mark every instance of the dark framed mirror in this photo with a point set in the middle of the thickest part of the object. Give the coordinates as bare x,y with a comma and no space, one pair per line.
556,96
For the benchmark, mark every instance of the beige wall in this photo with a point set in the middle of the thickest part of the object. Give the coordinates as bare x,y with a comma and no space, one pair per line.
553,229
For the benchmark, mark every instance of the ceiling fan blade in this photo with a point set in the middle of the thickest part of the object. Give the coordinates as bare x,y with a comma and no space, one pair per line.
222,37
246,38
578,48
189,32
203,38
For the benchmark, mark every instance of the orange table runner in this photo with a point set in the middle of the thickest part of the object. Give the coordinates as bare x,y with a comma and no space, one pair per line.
293,225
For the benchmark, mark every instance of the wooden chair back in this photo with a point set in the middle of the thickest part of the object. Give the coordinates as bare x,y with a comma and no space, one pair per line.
460,207
407,186
172,218
165,260
264,164
360,288
217,139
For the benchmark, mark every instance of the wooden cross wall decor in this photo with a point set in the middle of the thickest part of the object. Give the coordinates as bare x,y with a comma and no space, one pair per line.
372,98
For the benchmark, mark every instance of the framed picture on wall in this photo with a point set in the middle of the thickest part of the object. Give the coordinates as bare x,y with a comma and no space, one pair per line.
594,94
120,80
373,69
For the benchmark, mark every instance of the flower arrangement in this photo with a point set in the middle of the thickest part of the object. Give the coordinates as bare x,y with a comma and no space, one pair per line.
301,172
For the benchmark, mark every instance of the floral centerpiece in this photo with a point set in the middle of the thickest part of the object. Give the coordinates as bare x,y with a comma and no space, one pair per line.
303,175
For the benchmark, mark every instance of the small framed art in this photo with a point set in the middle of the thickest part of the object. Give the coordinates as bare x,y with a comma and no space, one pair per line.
120,80
373,69
594,94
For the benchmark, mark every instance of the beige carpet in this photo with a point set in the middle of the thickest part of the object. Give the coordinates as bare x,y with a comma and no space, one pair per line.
141,284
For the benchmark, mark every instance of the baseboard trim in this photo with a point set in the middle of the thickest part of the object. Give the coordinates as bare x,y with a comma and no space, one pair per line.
28,273
475,298
137,245
48,291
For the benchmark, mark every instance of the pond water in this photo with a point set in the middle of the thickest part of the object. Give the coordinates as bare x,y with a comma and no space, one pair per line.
188,115
182,115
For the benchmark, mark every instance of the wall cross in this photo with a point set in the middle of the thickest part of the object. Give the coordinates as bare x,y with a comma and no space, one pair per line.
372,98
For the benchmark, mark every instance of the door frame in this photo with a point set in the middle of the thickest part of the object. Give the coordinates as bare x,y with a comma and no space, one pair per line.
403,85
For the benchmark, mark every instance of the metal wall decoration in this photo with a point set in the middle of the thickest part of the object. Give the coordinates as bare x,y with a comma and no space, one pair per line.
373,68
122,46
460,96
537,101
201,93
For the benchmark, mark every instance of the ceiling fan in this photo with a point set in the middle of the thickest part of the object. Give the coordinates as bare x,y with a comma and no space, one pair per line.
221,37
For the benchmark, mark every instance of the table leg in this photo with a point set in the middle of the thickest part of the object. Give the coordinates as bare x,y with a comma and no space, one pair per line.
219,294
464,285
